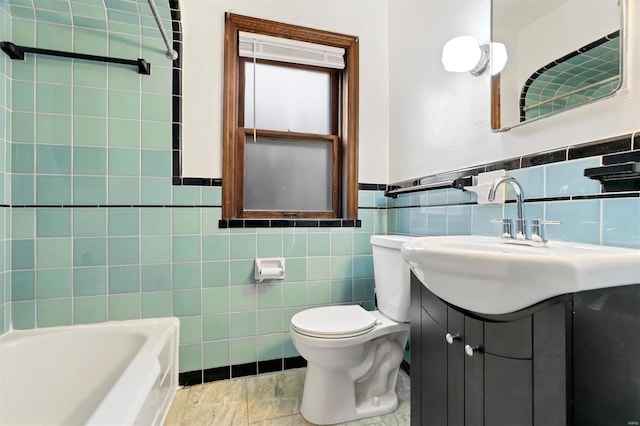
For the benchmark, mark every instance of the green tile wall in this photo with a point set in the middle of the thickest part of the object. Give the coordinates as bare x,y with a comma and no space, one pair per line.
88,135
5,181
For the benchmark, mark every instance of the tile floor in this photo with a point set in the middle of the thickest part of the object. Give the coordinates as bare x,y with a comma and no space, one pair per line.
271,399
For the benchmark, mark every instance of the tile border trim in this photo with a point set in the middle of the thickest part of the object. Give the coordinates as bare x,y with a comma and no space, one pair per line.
197,377
288,223
618,144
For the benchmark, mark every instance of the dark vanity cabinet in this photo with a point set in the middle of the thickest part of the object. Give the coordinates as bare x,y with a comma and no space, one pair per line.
521,368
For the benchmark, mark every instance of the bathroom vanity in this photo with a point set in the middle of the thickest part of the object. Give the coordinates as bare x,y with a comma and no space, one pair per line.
573,359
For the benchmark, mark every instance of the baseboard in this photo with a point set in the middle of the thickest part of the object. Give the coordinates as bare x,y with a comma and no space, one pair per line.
190,378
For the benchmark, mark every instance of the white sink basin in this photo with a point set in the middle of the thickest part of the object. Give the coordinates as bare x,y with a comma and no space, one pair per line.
486,275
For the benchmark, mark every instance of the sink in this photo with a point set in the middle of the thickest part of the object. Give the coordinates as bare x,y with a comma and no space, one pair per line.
485,275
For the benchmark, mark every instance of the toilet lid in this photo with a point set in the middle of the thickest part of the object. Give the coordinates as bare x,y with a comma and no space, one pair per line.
333,321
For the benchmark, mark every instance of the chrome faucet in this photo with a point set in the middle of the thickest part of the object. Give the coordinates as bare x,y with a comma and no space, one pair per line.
521,233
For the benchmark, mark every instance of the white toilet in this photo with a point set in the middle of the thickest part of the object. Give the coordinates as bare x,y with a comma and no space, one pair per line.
353,355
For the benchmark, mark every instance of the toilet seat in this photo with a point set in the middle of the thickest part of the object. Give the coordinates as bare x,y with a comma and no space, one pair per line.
333,322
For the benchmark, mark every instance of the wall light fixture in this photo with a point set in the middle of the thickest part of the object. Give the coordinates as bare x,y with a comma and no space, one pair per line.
464,53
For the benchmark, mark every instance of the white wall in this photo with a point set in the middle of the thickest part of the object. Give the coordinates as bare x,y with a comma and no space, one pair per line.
440,121
203,31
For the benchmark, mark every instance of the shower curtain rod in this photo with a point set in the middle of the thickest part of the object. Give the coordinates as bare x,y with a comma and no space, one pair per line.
171,54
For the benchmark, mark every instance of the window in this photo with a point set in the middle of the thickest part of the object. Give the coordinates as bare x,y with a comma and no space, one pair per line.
291,121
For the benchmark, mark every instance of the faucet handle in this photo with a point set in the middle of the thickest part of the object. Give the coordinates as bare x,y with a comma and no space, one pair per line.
507,227
537,229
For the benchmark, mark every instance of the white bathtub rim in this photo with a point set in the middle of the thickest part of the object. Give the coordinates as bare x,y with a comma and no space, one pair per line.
156,331
15,336
25,333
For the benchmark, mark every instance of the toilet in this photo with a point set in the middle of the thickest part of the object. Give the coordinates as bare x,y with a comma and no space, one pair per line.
353,355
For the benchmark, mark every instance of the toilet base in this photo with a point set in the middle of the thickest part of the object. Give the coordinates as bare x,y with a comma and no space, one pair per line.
352,378
329,398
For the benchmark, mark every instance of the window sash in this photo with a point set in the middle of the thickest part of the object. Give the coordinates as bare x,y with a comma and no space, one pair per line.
334,94
245,136
335,82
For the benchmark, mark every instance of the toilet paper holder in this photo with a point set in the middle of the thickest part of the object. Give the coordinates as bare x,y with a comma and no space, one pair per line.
271,268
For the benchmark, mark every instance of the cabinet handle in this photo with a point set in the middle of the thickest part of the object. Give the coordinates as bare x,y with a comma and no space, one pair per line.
471,350
451,337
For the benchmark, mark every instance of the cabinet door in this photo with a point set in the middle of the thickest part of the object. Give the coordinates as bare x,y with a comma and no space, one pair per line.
416,351
551,401
474,373
434,373
508,386
606,357
455,368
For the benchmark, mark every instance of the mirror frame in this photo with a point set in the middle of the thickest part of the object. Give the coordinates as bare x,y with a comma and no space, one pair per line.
495,95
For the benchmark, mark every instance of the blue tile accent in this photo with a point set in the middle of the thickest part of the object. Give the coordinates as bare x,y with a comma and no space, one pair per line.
579,221
437,196
380,199
418,221
437,221
362,266
459,220
460,196
418,199
482,217
365,199
621,222
404,221
366,216
403,200
392,221
567,178
532,181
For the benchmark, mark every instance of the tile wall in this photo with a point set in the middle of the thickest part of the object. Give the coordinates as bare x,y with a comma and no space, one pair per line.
555,191
98,231
5,118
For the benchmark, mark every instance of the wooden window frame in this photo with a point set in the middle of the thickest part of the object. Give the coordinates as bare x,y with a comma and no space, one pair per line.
344,127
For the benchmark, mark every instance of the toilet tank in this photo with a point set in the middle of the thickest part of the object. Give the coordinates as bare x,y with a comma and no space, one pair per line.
391,275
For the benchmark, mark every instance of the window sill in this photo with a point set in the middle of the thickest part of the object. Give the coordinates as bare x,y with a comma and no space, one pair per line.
284,223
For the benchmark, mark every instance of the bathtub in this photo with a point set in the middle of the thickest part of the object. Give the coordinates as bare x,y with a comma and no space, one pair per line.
114,373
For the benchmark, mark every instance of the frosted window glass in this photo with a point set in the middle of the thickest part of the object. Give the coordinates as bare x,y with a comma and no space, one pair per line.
287,175
287,99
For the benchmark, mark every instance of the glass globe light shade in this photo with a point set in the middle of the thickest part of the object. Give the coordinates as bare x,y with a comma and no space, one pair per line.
461,54
499,57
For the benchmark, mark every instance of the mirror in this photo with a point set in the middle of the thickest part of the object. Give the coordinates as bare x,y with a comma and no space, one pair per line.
562,54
